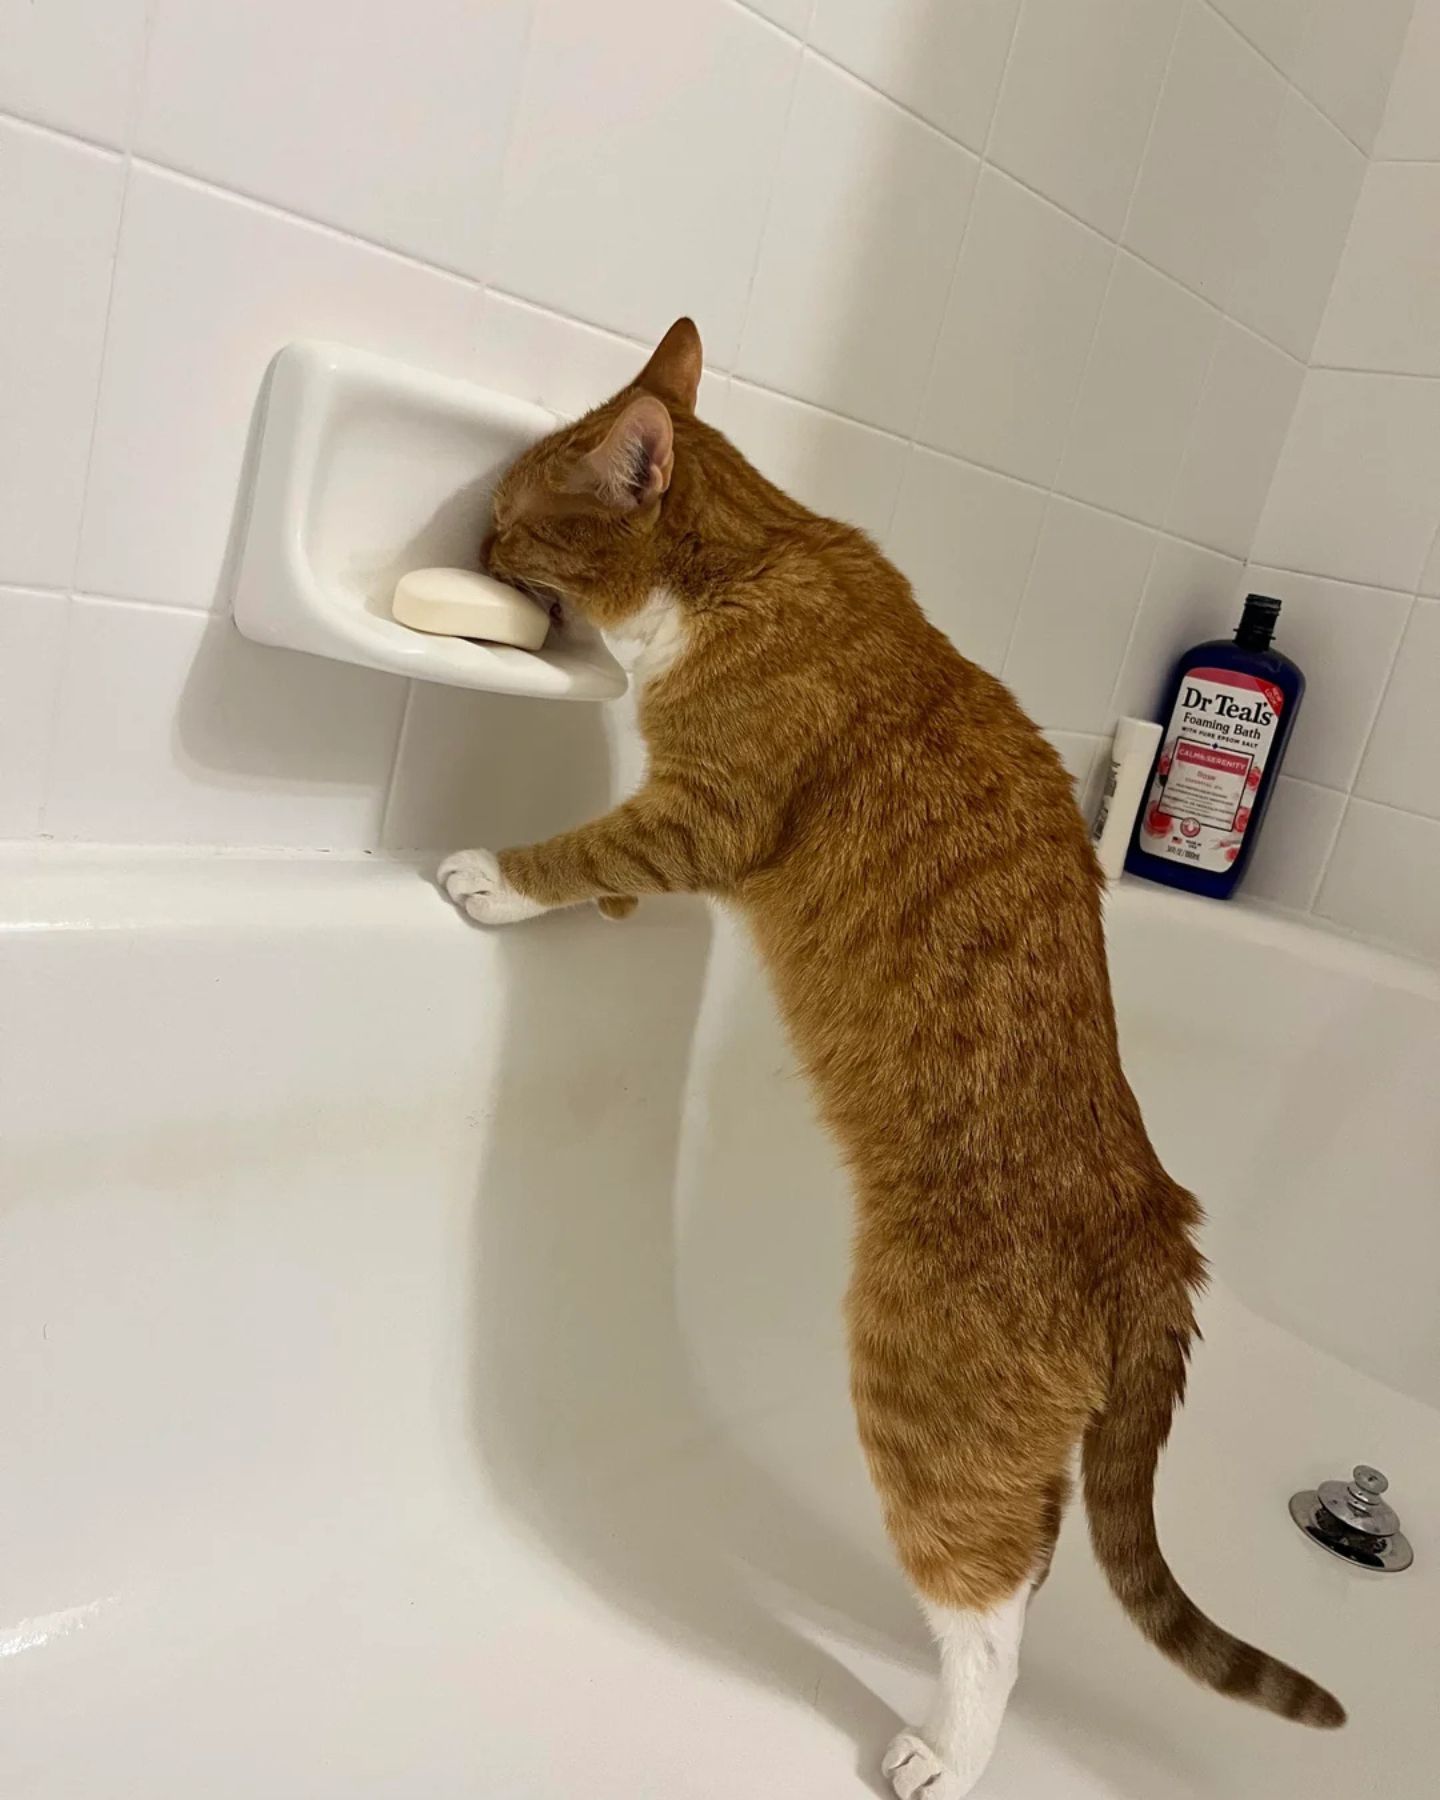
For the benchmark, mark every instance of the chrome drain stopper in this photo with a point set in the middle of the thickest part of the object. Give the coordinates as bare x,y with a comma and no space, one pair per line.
1350,1519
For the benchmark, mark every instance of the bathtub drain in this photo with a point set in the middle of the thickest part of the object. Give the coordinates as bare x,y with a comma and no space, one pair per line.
1350,1519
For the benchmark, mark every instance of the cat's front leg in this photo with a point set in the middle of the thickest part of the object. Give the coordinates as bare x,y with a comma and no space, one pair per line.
475,882
663,840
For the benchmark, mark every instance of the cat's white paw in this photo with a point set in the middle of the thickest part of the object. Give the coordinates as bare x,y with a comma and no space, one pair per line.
473,881
917,1773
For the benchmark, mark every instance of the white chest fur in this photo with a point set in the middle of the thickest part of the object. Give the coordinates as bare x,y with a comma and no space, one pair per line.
648,643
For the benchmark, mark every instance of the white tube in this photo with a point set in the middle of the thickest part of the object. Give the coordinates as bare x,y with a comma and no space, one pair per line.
1132,756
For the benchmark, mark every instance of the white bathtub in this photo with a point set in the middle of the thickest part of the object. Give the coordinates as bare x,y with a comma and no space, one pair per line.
422,1375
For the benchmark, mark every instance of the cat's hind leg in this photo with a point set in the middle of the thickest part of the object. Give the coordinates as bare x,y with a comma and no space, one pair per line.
976,1545
976,1557
979,1660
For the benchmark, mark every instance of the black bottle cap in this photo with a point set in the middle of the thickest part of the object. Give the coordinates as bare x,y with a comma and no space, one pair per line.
1257,623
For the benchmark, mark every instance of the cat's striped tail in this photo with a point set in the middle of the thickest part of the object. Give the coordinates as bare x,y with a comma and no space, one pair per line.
1122,1448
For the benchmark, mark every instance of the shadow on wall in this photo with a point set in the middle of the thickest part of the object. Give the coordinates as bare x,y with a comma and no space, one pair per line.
590,1423
253,716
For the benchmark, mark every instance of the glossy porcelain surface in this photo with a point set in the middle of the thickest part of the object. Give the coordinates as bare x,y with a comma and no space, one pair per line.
368,469
421,1370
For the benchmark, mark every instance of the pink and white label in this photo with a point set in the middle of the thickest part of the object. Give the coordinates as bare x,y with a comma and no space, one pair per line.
1217,742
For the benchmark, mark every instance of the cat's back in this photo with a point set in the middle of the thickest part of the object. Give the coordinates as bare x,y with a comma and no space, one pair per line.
931,911
910,758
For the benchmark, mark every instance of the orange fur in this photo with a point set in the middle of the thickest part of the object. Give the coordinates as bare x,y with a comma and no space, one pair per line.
906,849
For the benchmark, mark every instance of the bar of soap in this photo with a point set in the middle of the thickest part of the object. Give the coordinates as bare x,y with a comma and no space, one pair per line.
464,603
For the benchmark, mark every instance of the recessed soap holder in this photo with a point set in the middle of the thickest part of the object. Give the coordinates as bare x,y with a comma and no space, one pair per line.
369,469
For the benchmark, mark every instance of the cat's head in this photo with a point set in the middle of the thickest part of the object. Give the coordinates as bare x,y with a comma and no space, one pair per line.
578,515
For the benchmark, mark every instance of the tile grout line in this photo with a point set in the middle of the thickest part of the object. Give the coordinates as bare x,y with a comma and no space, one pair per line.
60,134
1324,368
863,81
908,444
44,590
291,214
126,183
1067,435
140,603
127,168
768,207
1328,863
1384,692
1313,892
1376,587
1311,361
52,721
1286,77
1139,256
923,397
507,152
1160,92
396,754
1400,812
1350,795
896,438
1192,430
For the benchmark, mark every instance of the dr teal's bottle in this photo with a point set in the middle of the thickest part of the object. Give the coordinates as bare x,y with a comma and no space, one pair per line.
1228,714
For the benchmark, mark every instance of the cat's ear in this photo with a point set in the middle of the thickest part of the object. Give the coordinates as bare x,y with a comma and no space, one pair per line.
673,372
634,464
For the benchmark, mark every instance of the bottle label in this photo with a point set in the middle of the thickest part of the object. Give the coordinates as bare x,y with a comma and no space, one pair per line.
1107,800
1217,742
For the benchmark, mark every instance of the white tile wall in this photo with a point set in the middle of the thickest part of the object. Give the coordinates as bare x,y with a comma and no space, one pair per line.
1079,96
1348,58
840,468
1235,440
1076,615
1299,835
1213,132
1027,294
32,644
644,144
893,219
171,728
850,286
207,289
966,539
1383,878
1190,595
1411,127
1356,499
1357,492
790,15
560,363
1298,212
59,210
1430,580
1078,751
506,772
381,128
1277,28
1140,395
1402,761
73,64
1384,311
1328,626
943,61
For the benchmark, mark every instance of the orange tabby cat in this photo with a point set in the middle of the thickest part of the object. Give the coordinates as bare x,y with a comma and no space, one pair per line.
905,848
